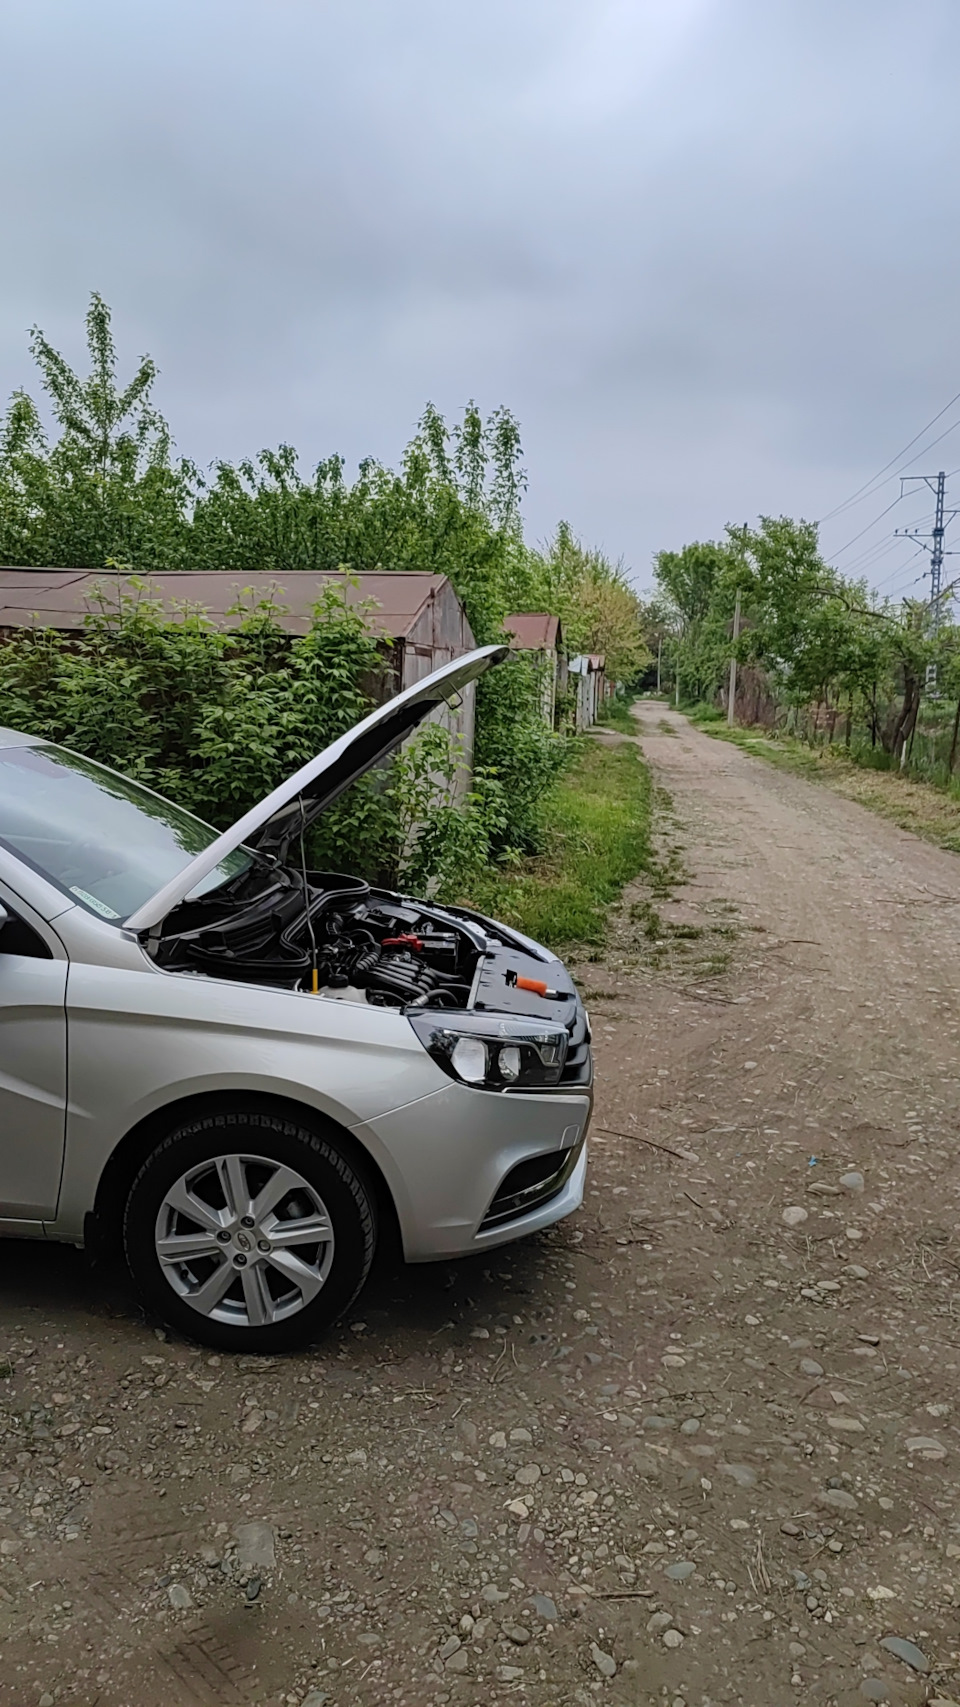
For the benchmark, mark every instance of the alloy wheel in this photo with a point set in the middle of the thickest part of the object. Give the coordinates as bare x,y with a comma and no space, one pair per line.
244,1240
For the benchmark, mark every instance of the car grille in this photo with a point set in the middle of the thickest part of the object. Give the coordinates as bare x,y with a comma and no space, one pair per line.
531,1184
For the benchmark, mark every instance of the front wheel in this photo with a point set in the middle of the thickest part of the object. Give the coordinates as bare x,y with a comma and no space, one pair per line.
249,1232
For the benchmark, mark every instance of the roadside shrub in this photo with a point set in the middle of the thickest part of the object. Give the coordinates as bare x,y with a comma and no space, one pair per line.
516,747
215,719
596,828
445,825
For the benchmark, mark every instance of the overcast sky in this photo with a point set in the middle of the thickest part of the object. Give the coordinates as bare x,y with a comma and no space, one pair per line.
706,250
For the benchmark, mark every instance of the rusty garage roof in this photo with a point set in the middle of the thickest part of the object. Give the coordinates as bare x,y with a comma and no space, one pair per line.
60,598
532,631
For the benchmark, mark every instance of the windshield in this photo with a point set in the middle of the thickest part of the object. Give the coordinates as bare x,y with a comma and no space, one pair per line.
107,842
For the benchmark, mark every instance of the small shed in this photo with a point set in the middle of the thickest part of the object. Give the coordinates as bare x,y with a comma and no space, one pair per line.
588,668
418,616
541,633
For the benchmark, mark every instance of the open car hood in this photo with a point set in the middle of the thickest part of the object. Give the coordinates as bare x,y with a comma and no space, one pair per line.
270,826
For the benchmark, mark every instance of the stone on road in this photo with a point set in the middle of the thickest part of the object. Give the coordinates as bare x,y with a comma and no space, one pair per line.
694,1444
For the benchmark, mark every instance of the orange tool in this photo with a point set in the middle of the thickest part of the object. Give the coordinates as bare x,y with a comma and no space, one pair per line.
537,988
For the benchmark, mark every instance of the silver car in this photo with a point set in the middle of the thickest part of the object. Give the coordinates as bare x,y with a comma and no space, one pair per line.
248,1071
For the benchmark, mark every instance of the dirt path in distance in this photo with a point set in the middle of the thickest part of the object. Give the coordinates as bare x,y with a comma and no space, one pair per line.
678,1450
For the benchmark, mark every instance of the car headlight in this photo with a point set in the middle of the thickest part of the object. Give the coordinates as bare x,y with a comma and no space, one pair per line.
493,1051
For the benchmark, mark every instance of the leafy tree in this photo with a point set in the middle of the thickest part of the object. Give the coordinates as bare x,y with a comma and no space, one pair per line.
824,639
829,650
698,587
599,609
451,509
690,578
106,488
237,708
659,626
118,428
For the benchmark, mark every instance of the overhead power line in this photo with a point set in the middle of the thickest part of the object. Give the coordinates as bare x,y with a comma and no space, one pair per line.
862,491
921,453
899,472
868,546
870,559
872,550
901,569
842,548
905,588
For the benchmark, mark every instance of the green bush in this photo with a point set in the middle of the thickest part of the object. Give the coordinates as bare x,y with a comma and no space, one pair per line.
516,748
215,719
444,830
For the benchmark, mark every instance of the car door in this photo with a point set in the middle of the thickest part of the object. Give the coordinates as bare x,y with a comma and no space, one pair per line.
33,1065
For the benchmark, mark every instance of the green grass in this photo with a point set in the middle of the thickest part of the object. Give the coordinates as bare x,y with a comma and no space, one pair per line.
597,837
616,714
701,711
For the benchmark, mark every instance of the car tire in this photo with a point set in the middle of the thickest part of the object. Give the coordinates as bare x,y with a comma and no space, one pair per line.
219,1230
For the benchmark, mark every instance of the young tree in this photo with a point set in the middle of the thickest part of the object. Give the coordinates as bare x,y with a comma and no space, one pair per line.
106,488
598,607
451,509
698,585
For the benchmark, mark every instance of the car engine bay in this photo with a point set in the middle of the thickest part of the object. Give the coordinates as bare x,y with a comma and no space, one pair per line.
338,937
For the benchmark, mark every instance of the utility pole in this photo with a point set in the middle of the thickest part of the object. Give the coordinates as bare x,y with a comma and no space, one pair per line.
659,657
938,486
936,554
732,692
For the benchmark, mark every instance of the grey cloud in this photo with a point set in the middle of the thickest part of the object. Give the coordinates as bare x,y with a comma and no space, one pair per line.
705,249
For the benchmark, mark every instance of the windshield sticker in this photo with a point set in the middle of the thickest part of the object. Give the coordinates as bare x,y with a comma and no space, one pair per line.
91,901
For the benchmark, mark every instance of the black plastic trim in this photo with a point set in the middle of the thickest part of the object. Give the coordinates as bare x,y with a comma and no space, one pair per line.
528,1187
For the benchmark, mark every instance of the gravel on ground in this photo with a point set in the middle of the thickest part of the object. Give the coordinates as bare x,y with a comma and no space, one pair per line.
696,1445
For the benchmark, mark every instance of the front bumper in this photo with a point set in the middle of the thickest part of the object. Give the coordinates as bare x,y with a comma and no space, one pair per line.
462,1166
567,1198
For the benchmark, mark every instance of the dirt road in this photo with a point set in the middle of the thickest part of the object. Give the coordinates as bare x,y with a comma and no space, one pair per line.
698,1445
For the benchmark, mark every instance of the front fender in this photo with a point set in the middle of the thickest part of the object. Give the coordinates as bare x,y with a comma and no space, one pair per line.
142,1041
